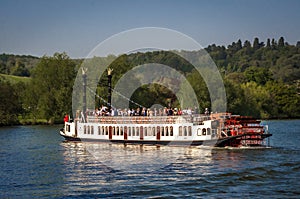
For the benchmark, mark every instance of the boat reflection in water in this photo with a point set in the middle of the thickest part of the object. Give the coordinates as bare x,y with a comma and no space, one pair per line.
131,158
107,169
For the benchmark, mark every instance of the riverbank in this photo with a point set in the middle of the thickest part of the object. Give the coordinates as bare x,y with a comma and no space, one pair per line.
30,121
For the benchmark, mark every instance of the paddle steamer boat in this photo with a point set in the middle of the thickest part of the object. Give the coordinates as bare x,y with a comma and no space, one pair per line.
218,129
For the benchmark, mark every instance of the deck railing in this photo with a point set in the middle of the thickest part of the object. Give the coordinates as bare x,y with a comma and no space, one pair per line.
195,119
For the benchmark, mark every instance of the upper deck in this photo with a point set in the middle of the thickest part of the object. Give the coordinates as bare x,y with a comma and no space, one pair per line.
195,119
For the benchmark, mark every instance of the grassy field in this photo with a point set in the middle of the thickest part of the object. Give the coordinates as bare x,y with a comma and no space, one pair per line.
14,79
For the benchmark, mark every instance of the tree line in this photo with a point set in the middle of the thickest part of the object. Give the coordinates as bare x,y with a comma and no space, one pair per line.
261,80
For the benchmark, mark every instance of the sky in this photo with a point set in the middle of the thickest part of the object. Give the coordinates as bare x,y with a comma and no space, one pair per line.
43,27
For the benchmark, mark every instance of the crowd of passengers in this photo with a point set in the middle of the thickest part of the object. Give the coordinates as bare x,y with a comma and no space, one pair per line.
103,111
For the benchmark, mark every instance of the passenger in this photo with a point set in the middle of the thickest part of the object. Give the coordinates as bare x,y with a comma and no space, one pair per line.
206,111
66,118
131,112
137,112
144,112
196,111
189,111
165,112
160,112
170,112
155,112
179,111
103,110
151,113
114,112
175,112
125,112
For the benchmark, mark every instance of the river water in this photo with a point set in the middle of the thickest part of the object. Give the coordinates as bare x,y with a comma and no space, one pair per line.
36,163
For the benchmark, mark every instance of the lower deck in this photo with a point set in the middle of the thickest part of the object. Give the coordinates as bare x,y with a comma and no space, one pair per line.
142,132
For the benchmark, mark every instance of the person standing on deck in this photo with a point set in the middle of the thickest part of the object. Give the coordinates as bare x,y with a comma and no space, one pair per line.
66,118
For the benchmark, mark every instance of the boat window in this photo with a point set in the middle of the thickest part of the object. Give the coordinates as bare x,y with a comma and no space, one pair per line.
89,130
171,130
118,130
162,131
121,131
167,131
214,132
190,131
150,131
153,131
158,129
107,129
185,131
199,132
84,129
145,131
129,131
204,131
180,131
68,127
92,130
99,130
113,130
137,131
208,131
133,131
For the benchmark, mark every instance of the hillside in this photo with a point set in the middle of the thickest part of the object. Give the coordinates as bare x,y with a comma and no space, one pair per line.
18,65
14,79
262,80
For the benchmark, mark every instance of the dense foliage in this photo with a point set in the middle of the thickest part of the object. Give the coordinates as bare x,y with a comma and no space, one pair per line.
261,80
19,65
49,93
10,105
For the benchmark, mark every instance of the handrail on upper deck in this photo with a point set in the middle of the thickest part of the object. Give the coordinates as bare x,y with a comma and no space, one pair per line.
195,119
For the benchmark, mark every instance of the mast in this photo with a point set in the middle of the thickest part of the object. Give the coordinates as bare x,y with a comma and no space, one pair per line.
109,76
84,93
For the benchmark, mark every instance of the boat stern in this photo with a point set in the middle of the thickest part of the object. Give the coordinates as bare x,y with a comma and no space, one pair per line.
69,131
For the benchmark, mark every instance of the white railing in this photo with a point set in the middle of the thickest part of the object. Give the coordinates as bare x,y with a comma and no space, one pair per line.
195,119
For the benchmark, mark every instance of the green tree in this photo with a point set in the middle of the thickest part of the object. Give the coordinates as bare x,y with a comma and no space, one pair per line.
20,70
50,92
9,104
281,42
268,43
256,43
284,100
258,75
273,44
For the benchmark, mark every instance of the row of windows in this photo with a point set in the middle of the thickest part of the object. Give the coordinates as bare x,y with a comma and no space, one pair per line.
147,131
203,131
185,131
88,130
135,131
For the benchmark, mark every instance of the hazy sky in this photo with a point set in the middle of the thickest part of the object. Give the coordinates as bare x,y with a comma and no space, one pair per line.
43,27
